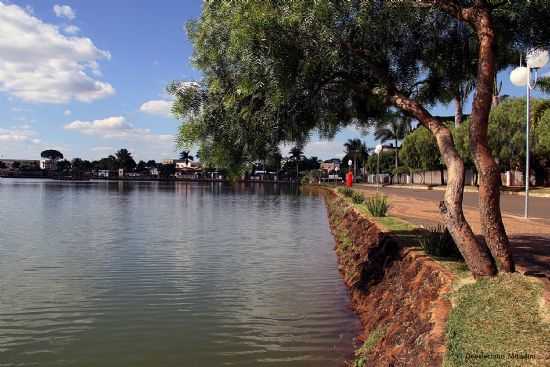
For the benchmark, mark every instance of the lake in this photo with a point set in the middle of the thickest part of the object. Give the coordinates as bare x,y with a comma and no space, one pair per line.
168,274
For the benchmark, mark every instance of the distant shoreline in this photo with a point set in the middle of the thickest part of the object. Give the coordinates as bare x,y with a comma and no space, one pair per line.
145,179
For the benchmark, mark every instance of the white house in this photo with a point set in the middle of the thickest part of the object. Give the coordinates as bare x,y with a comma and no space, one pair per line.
47,164
103,173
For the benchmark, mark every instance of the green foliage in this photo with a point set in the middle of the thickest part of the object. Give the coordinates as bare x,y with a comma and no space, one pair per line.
419,151
544,84
356,151
461,137
346,191
387,163
378,205
498,316
361,354
357,198
437,241
125,160
507,133
278,71
52,154
542,136
401,170
311,177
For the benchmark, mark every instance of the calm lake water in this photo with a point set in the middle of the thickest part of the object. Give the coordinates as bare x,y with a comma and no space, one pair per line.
168,274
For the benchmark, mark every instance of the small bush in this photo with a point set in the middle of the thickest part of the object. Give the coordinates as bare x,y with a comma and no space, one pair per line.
346,191
357,198
437,241
378,205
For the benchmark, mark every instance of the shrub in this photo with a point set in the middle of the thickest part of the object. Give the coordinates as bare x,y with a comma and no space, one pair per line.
378,205
357,198
346,191
437,241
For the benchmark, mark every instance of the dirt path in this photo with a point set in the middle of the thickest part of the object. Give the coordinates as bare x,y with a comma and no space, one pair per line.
530,238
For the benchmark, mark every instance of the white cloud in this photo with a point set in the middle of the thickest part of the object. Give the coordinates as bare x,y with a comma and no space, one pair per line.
64,11
22,134
71,29
116,127
39,64
67,112
102,149
157,107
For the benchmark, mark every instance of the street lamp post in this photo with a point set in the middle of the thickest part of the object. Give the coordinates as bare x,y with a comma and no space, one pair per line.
521,77
378,150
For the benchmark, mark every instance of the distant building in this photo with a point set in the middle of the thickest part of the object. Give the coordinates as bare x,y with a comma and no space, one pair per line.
104,173
154,171
187,169
331,165
47,164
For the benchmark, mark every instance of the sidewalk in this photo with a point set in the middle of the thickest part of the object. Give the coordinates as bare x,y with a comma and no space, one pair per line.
530,238
541,192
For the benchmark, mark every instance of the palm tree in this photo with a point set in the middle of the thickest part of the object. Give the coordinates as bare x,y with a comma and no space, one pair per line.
296,154
394,128
357,150
186,156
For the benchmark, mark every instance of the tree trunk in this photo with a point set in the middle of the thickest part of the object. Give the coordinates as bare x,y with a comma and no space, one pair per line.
475,253
459,116
495,100
489,174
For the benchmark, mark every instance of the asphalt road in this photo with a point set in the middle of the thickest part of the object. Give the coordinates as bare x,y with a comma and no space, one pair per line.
539,208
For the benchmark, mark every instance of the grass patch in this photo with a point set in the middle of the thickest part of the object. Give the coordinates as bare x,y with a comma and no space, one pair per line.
357,198
346,191
458,268
498,322
378,205
361,354
395,224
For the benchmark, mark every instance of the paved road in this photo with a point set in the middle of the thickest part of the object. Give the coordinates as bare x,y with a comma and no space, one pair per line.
510,204
530,239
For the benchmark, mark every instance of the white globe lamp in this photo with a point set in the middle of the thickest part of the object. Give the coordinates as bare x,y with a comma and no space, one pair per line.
536,59
520,76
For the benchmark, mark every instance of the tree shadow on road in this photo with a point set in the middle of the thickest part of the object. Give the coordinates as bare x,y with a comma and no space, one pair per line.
532,253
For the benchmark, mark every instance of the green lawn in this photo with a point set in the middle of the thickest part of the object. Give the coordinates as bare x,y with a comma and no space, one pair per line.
498,322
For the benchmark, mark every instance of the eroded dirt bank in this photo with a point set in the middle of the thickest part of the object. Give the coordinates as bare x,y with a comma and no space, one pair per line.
399,293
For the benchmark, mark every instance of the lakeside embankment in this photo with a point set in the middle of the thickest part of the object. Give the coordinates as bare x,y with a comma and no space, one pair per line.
425,311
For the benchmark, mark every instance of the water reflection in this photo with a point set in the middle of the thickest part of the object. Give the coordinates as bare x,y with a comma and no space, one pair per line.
168,274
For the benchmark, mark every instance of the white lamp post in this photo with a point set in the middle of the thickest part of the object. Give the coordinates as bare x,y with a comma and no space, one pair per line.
521,77
378,150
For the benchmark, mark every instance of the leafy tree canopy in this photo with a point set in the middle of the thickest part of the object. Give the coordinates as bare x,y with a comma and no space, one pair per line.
52,154
278,71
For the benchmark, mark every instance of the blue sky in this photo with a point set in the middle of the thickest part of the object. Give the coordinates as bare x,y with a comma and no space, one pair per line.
88,78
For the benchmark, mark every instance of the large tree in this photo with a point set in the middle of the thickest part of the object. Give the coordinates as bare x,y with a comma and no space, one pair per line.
52,154
125,160
278,71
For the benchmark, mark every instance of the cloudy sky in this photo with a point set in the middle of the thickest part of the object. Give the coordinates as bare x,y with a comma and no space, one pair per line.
88,78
